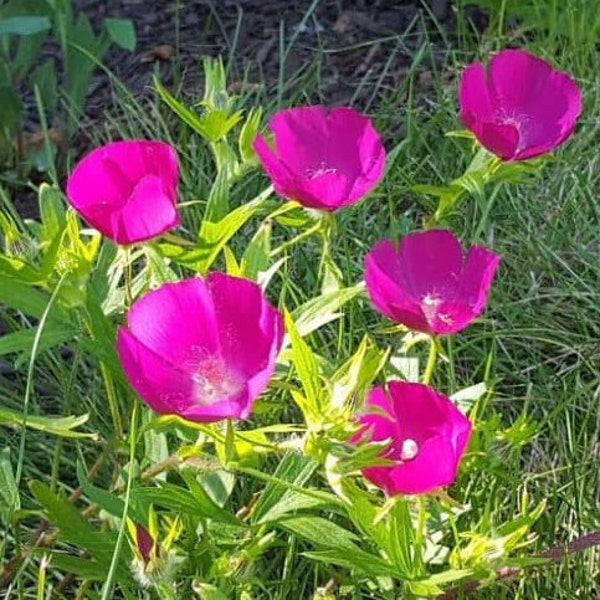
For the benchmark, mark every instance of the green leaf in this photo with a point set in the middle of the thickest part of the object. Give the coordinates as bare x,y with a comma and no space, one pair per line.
277,499
354,558
83,51
104,499
213,237
357,373
45,78
188,116
22,297
256,256
197,503
320,532
217,205
75,529
206,591
323,309
21,341
218,484
305,363
248,134
12,106
61,426
82,567
121,32
24,25
10,501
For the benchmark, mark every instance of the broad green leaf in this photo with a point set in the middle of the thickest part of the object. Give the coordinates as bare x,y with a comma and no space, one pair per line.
256,256
45,78
197,503
75,529
213,237
12,106
318,311
216,484
467,397
248,134
61,426
23,297
354,558
217,205
103,498
320,532
52,210
85,568
21,341
83,52
207,591
307,368
24,25
277,499
121,32
10,501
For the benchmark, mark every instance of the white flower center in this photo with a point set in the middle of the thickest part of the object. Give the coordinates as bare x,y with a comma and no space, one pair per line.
213,381
409,449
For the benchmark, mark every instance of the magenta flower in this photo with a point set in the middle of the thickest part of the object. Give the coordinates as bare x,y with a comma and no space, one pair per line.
521,107
203,349
427,284
427,437
127,190
322,158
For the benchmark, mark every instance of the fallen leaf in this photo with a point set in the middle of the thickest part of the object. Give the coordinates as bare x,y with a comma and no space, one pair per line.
160,52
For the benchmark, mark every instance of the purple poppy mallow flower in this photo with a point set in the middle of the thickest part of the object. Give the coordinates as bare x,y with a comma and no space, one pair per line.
203,349
427,283
323,158
127,190
520,106
427,437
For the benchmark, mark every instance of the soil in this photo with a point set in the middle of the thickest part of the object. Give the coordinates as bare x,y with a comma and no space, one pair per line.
352,41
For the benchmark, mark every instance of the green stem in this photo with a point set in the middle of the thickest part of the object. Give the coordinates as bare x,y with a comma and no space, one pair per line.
107,590
128,275
483,164
301,236
113,403
29,385
430,367
326,265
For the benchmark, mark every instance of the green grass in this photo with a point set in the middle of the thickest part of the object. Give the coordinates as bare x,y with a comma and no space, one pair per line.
541,327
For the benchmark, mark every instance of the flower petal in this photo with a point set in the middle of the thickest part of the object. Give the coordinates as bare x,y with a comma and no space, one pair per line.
476,278
430,262
149,212
178,322
106,179
250,329
388,289
503,140
474,99
163,386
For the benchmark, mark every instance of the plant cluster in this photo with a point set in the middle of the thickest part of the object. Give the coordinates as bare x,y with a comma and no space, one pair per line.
368,462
